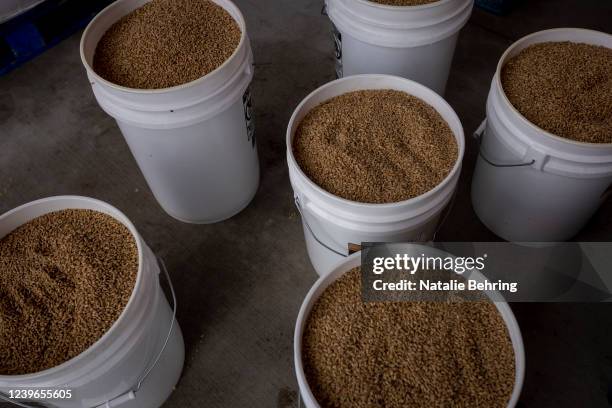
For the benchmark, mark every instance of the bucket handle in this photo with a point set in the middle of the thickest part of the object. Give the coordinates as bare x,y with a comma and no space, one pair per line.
172,324
351,247
447,210
479,134
131,395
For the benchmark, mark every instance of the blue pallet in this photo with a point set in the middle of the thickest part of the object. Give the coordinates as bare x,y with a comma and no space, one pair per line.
500,7
31,33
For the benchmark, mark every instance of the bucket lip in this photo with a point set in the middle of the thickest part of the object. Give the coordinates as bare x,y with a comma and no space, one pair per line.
458,137
345,265
498,83
243,34
433,4
137,284
384,29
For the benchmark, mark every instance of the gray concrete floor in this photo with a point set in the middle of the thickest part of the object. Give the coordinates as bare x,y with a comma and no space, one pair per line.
240,283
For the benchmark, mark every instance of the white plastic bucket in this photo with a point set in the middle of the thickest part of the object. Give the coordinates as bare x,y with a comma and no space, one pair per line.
192,142
354,261
331,223
530,185
415,42
144,345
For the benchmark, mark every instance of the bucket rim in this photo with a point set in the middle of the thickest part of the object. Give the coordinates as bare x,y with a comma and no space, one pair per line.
498,83
342,267
401,27
425,6
240,20
120,319
459,138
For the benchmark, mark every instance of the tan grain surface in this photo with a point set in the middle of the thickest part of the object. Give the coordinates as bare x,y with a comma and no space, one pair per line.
166,43
65,278
564,88
375,146
405,354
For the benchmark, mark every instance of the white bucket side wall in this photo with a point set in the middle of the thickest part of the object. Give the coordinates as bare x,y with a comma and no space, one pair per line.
338,232
524,205
570,178
353,261
323,259
203,173
397,26
412,42
113,364
414,63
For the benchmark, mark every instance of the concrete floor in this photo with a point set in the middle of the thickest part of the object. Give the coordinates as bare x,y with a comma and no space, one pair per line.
240,283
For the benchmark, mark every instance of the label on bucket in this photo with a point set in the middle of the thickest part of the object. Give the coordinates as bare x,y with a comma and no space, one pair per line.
248,116
337,36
